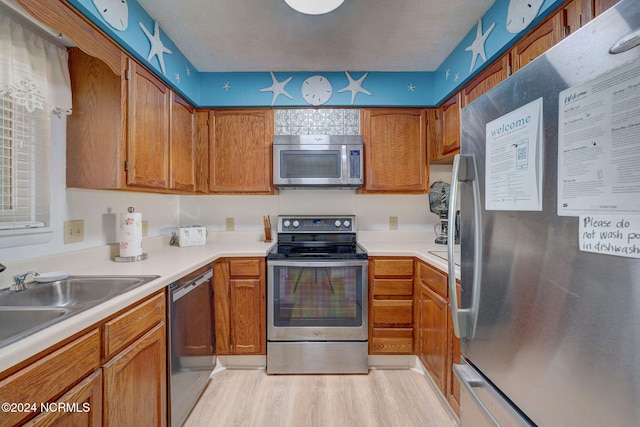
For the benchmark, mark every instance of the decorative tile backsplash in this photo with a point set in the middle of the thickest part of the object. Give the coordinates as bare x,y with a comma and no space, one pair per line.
326,121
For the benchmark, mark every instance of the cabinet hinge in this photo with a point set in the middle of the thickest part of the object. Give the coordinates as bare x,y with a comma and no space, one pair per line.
127,74
126,166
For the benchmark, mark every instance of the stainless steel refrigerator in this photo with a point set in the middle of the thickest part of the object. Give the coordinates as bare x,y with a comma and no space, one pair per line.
549,317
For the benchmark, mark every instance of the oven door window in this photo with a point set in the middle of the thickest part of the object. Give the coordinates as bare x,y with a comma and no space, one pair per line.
317,296
296,164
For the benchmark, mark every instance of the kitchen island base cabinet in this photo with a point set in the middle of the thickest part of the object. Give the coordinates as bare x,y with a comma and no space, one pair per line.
240,310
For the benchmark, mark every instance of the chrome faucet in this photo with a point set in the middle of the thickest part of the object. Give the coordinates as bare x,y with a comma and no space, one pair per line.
19,281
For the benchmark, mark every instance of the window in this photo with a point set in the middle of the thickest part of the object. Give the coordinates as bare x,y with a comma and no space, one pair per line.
34,84
24,166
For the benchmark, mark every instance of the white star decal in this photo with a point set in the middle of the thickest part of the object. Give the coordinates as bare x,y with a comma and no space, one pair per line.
157,48
355,86
226,86
277,88
456,77
188,71
178,77
447,74
411,87
477,47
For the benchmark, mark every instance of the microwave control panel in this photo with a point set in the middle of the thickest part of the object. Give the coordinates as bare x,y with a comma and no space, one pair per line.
354,164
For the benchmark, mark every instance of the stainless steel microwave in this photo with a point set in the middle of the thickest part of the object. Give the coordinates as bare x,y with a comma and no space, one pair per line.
317,161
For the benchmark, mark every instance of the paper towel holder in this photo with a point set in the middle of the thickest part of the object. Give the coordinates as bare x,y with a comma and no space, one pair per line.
140,257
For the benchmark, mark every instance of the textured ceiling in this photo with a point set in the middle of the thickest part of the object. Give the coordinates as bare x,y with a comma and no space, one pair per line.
364,35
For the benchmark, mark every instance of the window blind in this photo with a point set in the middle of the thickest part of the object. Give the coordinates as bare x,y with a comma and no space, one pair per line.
24,170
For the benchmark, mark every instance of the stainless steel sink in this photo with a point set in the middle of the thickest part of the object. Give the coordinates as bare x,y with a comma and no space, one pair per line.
75,290
17,322
43,304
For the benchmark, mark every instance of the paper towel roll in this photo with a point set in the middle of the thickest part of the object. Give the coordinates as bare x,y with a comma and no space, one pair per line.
130,234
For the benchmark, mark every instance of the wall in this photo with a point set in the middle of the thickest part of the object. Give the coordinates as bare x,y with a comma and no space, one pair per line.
98,209
386,88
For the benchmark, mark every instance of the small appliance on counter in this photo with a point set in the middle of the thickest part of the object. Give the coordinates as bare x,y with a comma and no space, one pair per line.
195,235
130,237
439,205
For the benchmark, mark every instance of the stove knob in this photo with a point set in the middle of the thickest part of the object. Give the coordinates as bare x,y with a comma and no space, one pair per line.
338,223
286,223
295,223
347,223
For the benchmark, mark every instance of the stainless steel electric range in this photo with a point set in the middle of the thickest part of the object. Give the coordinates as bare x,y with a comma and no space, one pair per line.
317,297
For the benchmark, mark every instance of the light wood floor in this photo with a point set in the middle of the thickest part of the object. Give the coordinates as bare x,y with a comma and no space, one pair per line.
381,398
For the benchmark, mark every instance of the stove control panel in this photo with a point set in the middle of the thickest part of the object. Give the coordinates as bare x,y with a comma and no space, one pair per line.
317,224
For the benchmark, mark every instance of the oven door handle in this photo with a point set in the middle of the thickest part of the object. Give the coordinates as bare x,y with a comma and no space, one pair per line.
334,263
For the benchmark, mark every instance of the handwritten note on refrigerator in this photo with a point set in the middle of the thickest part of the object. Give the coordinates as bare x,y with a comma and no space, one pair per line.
513,171
617,235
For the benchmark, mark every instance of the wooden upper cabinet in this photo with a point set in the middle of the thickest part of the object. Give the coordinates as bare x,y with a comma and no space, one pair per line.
395,150
535,43
201,162
449,142
148,131
600,6
182,130
573,15
487,79
96,131
240,150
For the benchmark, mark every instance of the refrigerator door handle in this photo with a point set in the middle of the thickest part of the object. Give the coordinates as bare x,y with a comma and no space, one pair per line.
464,319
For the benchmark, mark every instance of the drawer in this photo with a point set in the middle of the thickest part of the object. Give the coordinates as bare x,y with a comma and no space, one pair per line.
392,341
399,267
392,287
127,327
393,312
245,267
53,374
433,278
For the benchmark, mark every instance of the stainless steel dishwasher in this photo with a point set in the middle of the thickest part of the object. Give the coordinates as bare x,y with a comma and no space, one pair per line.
191,341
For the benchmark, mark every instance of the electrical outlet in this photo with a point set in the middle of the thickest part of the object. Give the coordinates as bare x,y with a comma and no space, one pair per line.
231,224
145,228
393,223
73,231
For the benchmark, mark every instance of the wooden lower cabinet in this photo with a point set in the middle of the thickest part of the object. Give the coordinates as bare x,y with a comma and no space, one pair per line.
135,383
240,306
437,346
391,308
454,353
135,378
114,374
49,377
81,406
433,335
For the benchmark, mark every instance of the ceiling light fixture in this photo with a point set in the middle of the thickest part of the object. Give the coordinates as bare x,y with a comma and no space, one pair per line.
314,7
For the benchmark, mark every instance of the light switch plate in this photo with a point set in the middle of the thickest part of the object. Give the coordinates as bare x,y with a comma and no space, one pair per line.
230,224
393,223
145,228
73,231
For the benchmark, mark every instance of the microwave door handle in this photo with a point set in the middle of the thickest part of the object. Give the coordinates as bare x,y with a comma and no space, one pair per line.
344,179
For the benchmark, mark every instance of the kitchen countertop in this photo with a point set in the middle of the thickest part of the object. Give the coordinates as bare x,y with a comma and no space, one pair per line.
171,263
